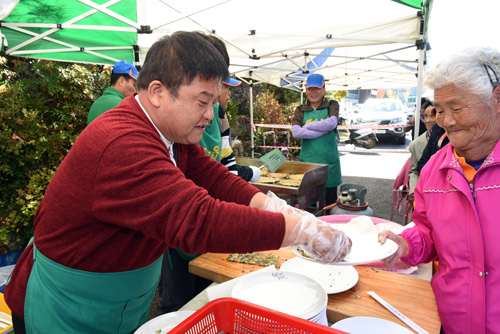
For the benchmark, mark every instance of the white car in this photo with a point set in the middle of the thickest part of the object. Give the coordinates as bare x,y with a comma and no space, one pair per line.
385,112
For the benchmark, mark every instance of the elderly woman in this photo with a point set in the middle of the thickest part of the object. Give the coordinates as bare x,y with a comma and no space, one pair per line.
418,145
455,216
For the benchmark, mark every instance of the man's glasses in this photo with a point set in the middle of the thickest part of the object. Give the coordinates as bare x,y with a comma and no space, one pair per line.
495,82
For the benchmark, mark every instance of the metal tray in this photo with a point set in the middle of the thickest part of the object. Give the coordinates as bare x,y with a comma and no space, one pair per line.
310,191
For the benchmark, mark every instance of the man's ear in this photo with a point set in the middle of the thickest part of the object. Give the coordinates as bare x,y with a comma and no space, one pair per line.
121,81
155,93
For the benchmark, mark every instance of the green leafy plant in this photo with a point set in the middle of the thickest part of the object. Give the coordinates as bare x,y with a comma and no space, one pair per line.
43,109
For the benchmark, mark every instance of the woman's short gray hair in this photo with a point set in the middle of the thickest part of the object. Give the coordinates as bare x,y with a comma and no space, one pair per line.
472,70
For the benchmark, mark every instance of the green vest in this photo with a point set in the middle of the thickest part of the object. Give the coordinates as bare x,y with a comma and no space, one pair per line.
322,150
109,99
60,299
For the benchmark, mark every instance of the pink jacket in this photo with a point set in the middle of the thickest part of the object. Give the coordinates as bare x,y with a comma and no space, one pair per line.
459,225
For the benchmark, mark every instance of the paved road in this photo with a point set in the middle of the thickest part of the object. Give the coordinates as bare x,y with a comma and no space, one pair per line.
376,169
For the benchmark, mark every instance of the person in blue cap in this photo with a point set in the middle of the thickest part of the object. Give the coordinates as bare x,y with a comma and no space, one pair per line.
217,137
122,84
315,122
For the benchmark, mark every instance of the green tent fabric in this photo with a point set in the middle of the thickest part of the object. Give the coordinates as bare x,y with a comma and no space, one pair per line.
87,31
412,3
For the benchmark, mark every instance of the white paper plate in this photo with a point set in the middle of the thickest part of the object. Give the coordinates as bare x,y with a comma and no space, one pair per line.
363,325
287,292
334,279
365,249
164,322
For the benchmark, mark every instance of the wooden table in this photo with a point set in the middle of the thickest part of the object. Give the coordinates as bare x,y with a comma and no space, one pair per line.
411,296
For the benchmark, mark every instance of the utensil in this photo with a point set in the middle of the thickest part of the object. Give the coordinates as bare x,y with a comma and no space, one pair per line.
398,314
273,160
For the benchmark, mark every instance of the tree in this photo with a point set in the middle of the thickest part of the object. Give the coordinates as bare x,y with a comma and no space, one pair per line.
43,109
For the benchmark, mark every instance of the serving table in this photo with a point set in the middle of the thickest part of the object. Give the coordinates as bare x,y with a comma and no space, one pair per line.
412,296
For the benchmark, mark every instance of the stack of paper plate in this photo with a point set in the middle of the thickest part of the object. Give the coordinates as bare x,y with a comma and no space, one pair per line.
287,292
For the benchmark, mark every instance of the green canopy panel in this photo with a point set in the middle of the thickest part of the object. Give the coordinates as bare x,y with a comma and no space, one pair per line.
99,31
412,3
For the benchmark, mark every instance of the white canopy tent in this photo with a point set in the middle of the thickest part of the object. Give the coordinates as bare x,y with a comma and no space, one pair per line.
369,44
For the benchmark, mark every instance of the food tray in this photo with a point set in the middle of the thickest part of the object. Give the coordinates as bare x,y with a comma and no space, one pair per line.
235,316
310,191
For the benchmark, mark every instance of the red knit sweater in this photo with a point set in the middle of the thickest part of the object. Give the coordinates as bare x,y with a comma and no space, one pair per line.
117,202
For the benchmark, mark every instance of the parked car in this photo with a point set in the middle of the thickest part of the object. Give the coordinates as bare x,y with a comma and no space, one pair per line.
357,107
346,117
385,112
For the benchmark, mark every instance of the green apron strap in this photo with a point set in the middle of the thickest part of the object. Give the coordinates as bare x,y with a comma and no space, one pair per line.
10,276
186,256
60,299
212,137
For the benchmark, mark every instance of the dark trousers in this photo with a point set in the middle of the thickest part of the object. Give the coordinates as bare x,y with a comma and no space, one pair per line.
177,285
331,195
19,327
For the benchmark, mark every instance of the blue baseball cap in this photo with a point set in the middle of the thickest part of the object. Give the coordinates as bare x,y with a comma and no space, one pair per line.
315,80
124,67
231,82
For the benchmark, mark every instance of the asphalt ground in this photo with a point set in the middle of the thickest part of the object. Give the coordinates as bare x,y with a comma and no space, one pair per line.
375,169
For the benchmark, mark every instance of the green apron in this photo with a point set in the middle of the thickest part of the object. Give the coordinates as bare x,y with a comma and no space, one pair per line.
212,138
60,299
322,150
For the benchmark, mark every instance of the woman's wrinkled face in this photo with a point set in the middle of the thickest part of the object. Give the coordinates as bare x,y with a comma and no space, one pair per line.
468,120
429,119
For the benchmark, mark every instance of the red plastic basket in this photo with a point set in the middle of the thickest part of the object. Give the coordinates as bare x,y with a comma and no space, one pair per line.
234,316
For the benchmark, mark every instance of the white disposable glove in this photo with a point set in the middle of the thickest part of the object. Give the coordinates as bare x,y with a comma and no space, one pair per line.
316,237
275,204
320,240
256,174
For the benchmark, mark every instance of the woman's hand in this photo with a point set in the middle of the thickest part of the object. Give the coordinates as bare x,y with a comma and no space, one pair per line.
411,199
400,241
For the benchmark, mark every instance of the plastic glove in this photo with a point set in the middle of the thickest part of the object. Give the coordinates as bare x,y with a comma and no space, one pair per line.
320,240
256,173
275,204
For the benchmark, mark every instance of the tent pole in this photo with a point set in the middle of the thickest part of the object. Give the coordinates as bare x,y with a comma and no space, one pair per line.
419,93
251,118
423,48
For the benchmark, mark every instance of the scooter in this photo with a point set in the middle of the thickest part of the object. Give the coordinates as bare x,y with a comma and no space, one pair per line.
365,137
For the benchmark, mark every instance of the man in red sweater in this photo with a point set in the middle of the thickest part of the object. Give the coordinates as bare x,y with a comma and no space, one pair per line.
136,183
